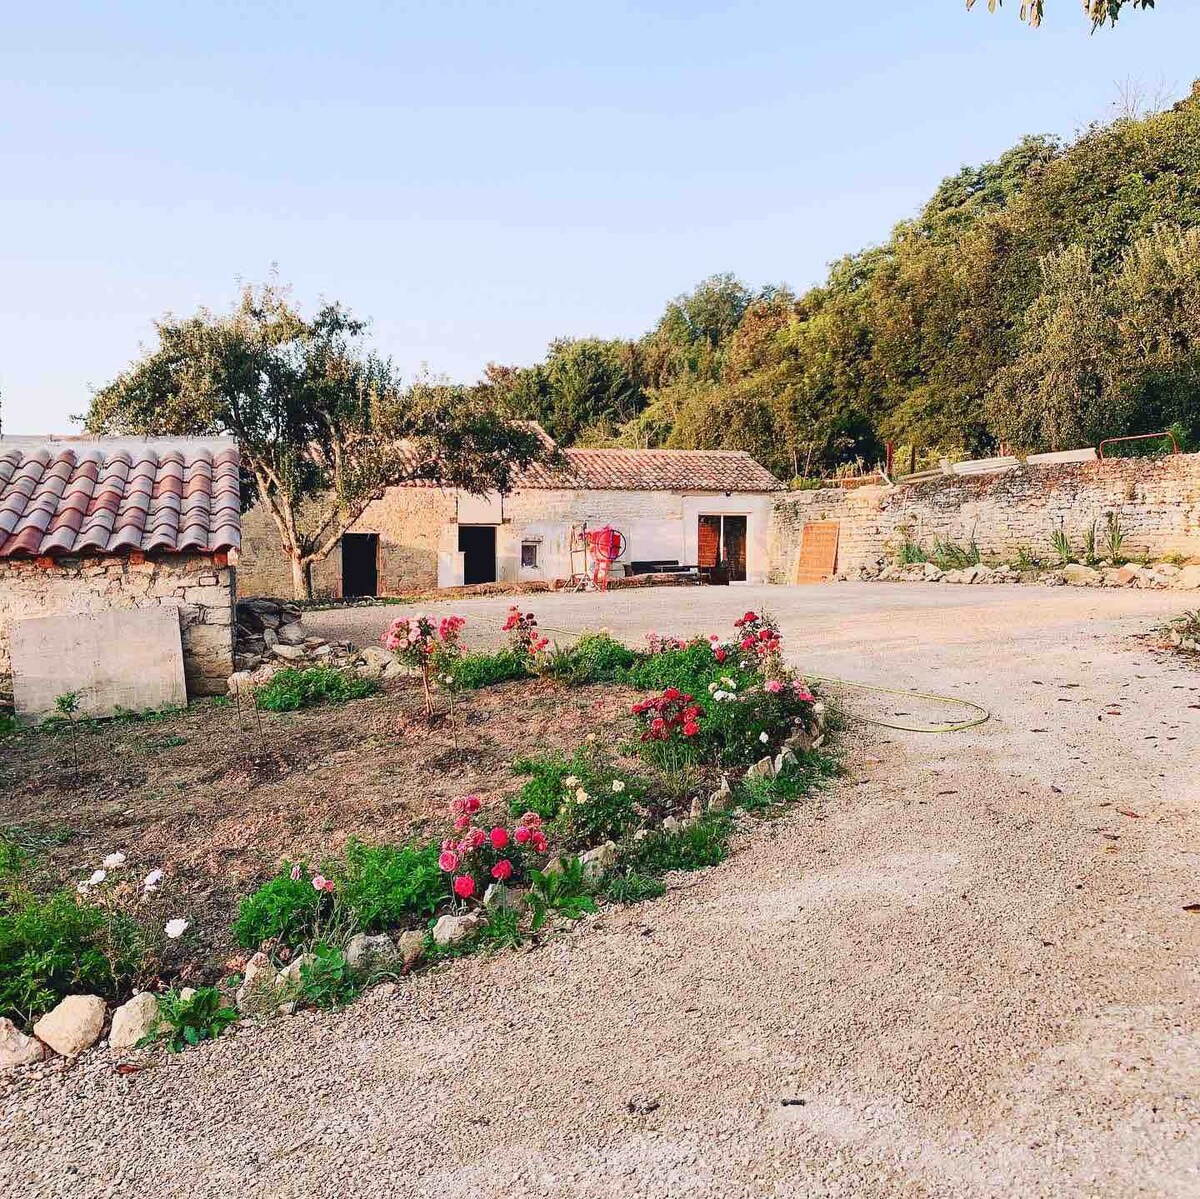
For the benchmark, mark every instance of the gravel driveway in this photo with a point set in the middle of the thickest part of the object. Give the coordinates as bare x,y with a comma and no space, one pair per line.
965,971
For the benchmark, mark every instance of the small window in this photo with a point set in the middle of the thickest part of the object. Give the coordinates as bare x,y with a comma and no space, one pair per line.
529,555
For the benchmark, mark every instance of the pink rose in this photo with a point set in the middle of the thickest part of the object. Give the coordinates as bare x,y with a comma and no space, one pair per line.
296,873
472,804
502,870
464,886
477,838
462,823
448,861
522,834
318,882
774,686
498,837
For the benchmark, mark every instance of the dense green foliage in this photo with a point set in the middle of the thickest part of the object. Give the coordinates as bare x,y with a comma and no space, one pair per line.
471,671
375,888
293,689
1046,300
53,946
189,1019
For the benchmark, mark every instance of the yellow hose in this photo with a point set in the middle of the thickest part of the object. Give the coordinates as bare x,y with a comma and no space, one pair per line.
956,727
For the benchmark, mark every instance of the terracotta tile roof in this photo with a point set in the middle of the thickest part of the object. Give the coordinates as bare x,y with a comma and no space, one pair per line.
668,470
112,495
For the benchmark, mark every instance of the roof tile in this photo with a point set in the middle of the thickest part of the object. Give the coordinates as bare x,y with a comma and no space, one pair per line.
86,495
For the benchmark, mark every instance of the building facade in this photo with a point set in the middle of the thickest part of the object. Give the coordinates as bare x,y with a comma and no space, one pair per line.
673,507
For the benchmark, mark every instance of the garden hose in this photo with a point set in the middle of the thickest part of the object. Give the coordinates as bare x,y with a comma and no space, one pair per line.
955,727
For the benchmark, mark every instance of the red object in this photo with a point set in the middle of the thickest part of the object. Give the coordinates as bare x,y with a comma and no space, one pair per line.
605,545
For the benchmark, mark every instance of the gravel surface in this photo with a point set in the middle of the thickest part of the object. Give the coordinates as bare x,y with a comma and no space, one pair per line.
964,971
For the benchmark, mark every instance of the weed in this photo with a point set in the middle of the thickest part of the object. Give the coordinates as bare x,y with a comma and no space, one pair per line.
326,979
502,931
1024,559
632,886
563,891
67,706
704,842
199,1016
387,886
1089,545
293,689
1114,538
910,552
1061,544
8,723
594,658
949,555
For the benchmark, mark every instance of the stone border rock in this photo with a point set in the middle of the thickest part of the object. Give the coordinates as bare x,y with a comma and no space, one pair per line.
1159,576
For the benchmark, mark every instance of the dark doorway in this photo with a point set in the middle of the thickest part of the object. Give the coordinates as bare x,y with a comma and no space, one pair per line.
721,541
477,544
360,564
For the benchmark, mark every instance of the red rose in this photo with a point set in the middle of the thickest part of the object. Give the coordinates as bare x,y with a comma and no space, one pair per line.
719,654
498,837
502,870
522,834
691,729
464,886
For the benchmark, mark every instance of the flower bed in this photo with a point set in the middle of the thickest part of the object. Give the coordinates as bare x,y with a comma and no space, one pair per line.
721,724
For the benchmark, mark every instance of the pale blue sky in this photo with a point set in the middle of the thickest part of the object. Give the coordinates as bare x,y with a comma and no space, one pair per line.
479,176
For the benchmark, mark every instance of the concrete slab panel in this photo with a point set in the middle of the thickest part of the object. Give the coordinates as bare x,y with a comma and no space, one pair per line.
1051,459
130,659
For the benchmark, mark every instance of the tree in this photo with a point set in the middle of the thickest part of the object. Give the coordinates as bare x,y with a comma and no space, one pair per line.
1098,11
323,427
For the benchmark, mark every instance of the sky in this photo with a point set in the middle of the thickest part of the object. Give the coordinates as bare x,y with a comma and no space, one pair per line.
479,177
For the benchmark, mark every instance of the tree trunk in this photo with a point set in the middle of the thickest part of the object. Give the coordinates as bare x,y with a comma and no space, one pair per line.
301,578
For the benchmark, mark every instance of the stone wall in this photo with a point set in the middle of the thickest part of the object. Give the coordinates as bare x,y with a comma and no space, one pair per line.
408,520
200,586
1156,499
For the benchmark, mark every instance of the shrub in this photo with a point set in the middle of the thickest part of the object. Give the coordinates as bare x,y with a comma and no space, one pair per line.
293,689
201,1016
8,723
287,909
588,799
472,671
387,886
53,946
687,669
594,658
475,857
372,889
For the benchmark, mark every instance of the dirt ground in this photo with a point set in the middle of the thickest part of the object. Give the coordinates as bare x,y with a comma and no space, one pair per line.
217,804
967,970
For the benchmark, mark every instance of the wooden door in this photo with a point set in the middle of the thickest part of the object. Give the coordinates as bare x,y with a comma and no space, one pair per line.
818,552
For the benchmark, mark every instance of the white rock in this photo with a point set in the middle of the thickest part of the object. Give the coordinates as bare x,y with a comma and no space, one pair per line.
498,898
291,634
134,1020
599,861
1189,578
1079,575
785,760
240,681
370,952
412,948
450,929
289,653
373,656
259,983
764,768
16,1049
288,978
672,825
73,1026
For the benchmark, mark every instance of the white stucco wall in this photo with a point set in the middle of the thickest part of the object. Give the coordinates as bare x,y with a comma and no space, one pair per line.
656,524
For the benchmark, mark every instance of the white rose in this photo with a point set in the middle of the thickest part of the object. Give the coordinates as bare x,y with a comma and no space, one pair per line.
98,876
618,786
114,861
175,929
151,881
763,738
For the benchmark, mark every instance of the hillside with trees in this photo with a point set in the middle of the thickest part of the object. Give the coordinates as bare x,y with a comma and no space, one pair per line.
1042,301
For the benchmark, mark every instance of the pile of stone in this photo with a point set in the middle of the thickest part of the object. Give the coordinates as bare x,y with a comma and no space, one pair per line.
75,1025
803,740
271,636
1158,575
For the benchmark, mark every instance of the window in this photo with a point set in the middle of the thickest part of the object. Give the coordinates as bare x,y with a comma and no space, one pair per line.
529,555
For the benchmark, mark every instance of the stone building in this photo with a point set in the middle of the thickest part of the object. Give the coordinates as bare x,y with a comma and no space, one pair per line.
687,507
91,525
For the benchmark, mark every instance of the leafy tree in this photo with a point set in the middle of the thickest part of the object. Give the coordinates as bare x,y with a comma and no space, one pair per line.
1099,11
323,427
